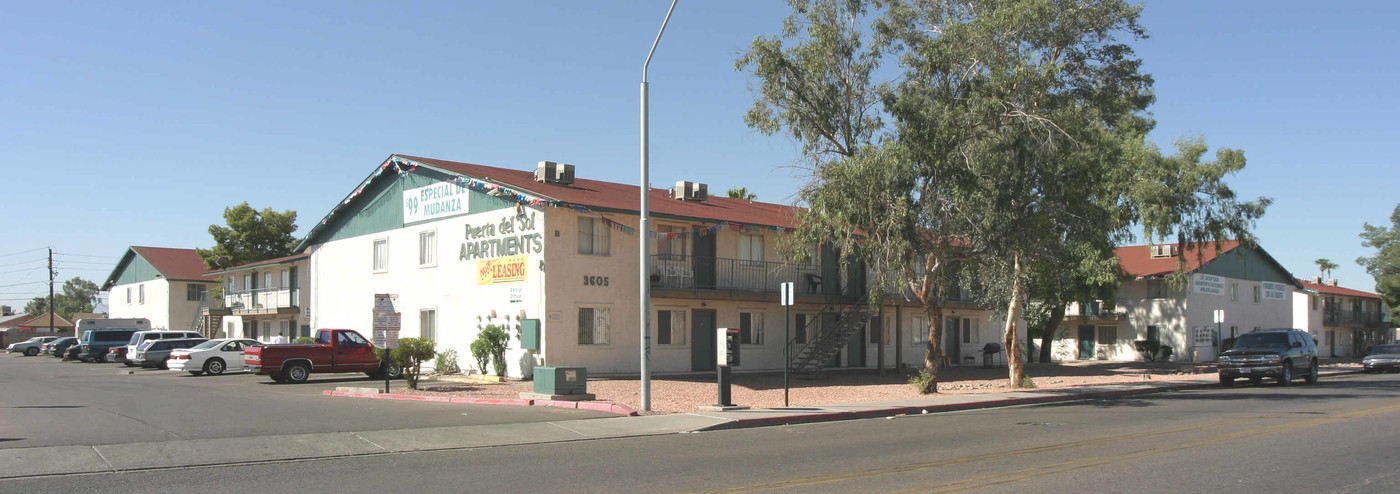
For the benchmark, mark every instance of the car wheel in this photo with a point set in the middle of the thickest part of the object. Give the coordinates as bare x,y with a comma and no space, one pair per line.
1285,378
164,364
1311,378
196,373
298,372
128,364
1227,381
31,351
214,366
395,371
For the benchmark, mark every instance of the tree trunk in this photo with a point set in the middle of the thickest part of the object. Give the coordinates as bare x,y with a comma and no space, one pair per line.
1047,337
930,295
1015,362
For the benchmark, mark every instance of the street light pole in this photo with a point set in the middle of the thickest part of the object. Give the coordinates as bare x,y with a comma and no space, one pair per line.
644,258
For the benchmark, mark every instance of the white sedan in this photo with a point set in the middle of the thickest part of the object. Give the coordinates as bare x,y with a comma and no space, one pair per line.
212,357
29,347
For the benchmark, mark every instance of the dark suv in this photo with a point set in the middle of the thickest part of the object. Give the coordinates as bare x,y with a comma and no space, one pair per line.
1282,354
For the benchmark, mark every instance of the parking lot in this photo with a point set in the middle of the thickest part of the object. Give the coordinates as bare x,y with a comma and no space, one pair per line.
48,402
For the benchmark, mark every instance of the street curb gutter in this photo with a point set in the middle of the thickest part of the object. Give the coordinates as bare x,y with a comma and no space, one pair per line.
580,405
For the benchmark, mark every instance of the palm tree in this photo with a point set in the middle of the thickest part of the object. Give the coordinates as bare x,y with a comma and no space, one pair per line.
1325,267
742,193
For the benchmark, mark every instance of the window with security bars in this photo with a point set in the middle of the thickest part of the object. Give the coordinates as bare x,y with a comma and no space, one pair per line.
594,324
670,327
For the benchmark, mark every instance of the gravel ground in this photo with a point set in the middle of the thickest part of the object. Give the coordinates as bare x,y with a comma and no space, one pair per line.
680,394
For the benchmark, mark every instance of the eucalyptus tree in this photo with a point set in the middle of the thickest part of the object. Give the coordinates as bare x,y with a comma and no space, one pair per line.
1384,266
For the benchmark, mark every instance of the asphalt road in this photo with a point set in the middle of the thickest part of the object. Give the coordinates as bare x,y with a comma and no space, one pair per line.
1337,436
48,402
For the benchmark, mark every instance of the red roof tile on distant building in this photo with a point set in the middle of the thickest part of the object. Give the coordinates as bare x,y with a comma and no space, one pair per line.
1336,290
1137,260
175,264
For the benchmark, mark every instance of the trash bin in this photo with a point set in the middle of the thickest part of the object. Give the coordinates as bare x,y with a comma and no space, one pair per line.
989,353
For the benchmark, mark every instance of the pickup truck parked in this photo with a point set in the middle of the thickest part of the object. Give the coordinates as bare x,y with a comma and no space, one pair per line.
335,350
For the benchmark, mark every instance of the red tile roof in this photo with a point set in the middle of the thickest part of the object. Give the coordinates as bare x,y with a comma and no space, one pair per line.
269,262
609,196
1336,290
1137,260
42,321
175,264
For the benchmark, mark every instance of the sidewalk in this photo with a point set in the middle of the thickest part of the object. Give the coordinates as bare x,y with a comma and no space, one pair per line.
63,460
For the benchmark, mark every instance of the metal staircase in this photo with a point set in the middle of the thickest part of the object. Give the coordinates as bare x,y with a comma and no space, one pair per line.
817,351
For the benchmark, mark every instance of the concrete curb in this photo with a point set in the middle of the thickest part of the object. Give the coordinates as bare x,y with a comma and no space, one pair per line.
581,405
835,415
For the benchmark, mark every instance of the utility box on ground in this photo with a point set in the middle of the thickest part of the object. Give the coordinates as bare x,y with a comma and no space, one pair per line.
530,334
561,380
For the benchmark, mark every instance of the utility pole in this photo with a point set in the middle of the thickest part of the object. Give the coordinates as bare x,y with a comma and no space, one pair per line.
51,276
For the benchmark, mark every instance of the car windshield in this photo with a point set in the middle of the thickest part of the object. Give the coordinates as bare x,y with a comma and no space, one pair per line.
1381,349
1262,340
207,345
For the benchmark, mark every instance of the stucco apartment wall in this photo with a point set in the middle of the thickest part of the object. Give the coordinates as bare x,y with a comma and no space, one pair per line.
344,283
156,306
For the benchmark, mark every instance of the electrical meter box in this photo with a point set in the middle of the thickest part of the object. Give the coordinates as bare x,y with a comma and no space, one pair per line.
561,380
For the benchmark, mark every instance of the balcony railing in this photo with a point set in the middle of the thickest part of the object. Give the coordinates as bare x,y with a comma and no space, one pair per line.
1351,317
1099,309
680,272
261,299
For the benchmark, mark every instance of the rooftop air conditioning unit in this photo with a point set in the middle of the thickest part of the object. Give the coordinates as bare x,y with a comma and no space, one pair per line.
690,191
554,173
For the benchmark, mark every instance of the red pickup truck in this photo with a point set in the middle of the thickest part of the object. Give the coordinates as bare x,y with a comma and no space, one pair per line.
335,350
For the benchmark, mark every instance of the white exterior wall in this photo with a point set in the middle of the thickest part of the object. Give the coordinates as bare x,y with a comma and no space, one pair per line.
1180,314
343,284
156,306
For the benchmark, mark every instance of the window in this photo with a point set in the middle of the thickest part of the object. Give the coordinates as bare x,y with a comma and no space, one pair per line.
969,328
1256,294
283,327
593,236
750,249
803,320
920,329
874,329
128,295
1234,292
267,328
194,292
141,294
1156,289
670,327
381,254
1153,333
1108,335
286,279
427,248
1315,300
593,325
427,324
751,328
670,248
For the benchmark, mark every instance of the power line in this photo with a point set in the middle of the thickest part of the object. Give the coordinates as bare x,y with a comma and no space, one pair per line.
23,252
22,270
22,284
85,262
21,262
86,255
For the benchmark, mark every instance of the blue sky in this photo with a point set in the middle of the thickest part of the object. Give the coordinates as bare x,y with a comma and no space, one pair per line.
136,123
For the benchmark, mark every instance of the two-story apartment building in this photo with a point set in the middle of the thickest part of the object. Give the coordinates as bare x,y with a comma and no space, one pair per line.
169,287
1251,288
264,300
452,247
1352,320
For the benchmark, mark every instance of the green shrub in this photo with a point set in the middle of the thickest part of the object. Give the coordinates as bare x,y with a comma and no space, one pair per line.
304,339
446,363
1148,349
409,356
921,380
491,344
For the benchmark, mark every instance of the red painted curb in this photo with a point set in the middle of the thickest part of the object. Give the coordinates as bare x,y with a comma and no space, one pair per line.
494,401
556,403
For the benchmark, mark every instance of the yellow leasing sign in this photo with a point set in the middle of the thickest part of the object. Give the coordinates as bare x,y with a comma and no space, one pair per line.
502,270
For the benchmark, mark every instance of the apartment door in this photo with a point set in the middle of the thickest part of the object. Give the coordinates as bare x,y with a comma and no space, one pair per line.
702,340
855,349
829,322
1331,344
831,271
704,261
1086,342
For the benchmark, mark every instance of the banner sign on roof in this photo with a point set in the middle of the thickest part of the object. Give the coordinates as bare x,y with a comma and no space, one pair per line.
434,201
